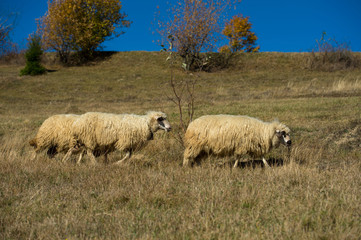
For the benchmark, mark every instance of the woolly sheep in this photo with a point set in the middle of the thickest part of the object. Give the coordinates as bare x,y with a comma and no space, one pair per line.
229,135
106,132
55,135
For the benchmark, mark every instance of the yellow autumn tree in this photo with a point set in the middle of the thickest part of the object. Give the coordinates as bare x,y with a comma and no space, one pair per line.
241,38
80,25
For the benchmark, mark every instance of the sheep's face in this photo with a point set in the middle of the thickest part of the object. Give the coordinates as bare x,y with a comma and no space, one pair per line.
163,124
283,134
159,121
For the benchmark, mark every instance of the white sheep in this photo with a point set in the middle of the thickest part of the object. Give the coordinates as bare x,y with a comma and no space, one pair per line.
106,132
55,135
229,135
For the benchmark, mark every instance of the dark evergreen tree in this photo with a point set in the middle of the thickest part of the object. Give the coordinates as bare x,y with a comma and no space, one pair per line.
33,57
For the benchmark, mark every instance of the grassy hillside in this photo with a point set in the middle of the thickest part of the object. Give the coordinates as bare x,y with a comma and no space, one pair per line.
313,193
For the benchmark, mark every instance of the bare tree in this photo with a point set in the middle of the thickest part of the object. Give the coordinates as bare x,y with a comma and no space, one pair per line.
6,26
195,26
182,94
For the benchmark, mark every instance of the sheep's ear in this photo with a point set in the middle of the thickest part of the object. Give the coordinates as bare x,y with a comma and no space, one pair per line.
278,133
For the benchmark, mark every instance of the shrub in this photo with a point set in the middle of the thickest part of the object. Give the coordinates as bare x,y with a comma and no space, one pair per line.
331,55
217,61
33,57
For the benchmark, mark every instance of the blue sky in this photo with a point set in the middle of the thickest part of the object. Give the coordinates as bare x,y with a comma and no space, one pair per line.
281,25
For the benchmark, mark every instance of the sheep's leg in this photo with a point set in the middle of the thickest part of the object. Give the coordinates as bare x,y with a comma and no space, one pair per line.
189,156
265,162
236,163
33,156
80,157
127,156
74,149
187,162
92,157
67,155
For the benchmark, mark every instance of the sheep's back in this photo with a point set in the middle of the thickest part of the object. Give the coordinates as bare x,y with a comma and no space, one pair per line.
226,134
105,129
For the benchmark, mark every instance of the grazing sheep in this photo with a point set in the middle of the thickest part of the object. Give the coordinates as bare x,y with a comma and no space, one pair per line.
228,135
106,132
55,135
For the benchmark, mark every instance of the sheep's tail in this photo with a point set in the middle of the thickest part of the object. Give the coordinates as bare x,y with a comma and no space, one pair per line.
32,142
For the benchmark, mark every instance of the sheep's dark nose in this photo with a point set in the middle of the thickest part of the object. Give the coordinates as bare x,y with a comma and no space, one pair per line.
289,142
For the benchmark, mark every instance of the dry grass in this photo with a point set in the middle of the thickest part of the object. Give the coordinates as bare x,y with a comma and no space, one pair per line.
313,193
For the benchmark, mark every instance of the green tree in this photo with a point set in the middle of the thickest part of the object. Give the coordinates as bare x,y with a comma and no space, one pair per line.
81,25
33,57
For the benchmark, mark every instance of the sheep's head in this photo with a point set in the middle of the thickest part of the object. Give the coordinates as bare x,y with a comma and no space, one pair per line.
158,120
283,134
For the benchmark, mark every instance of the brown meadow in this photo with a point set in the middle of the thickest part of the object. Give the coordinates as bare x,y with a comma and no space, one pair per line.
313,192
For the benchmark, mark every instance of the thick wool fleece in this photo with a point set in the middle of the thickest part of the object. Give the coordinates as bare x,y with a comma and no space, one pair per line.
228,135
55,132
110,132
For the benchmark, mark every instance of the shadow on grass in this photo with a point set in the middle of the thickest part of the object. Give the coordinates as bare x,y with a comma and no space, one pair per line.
243,163
98,56
273,162
76,59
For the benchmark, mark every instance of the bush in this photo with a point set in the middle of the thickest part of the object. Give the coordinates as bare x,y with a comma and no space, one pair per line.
331,55
217,61
33,57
